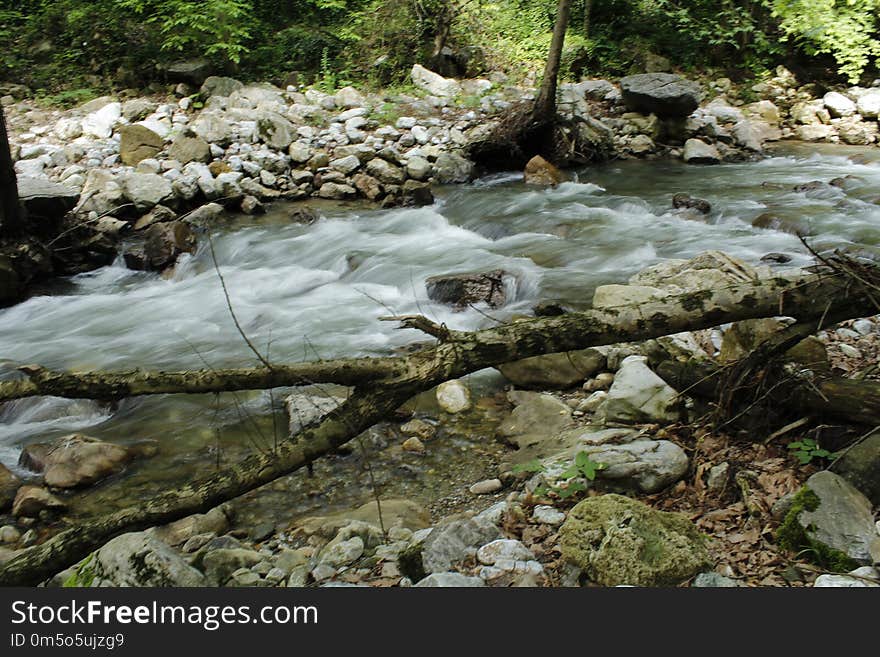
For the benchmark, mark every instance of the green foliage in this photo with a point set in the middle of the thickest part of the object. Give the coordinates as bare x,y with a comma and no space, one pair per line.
794,537
846,29
67,98
583,467
807,449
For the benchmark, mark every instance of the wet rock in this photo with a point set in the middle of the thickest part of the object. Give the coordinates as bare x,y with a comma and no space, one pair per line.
834,521
336,191
860,466
165,242
687,201
664,94
452,167
433,83
413,444
191,71
31,500
535,417
640,396
416,194
462,290
137,143
45,200
396,513
697,151
786,224
137,559
453,396
9,534
9,484
251,205
419,429
617,540
78,460
450,580
539,171
554,371
385,172
776,258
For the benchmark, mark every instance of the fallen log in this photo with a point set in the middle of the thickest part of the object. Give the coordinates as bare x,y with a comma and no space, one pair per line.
381,385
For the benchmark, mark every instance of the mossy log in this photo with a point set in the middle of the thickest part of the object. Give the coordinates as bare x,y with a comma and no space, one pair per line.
381,385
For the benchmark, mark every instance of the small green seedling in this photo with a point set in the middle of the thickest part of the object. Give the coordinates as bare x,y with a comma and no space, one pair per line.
807,449
582,467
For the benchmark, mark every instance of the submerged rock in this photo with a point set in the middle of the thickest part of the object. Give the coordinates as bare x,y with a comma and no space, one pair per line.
79,460
30,500
305,408
453,396
617,540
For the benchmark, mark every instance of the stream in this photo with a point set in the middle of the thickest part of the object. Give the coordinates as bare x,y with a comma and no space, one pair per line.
303,292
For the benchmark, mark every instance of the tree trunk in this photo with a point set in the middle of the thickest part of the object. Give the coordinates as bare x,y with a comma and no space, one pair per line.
588,9
383,384
10,209
545,104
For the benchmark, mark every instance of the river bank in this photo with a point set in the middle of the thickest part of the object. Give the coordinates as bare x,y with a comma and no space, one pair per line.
547,239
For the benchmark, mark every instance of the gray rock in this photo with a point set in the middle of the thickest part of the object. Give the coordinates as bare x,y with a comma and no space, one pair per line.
453,396
419,168
839,105
44,199
191,71
164,242
696,151
503,549
446,545
450,580
347,165
535,414
385,171
9,534
216,85
860,466
830,512
747,135
868,104
204,215
433,83
554,371
664,94
305,408
714,580
213,127
275,130
462,290
640,396
452,168
814,132
486,487
864,577
190,149
342,553
336,191
219,565
100,123
138,559
147,190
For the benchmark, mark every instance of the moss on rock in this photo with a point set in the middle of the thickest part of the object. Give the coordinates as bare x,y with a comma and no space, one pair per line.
618,540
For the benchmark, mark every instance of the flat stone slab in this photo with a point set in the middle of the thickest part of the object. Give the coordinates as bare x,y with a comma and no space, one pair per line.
45,199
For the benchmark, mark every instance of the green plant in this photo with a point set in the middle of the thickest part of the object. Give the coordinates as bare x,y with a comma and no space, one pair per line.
807,449
583,467
327,81
68,98
84,574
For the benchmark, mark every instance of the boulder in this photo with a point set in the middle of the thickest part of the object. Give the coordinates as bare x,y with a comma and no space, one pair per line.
348,97
216,85
451,167
30,500
137,109
453,396
682,200
78,460
147,190
864,577
385,171
275,131
45,200
433,83
857,133
446,545
860,466
616,540
535,418
9,485
138,143
832,522
164,242
838,105
191,71
336,191
814,132
100,124
463,290
539,171
747,135
640,396
554,371
213,127
664,94
696,151
868,104
189,149
419,168
137,559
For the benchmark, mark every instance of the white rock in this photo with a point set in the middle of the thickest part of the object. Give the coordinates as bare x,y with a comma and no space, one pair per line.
405,123
863,326
503,548
548,515
868,104
100,124
639,395
838,104
453,396
864,577
434,83
486,487
849,351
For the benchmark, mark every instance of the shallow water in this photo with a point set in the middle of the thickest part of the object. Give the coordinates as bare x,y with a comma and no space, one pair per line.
302,292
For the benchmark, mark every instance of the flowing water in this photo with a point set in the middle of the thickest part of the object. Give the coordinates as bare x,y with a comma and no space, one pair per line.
303,292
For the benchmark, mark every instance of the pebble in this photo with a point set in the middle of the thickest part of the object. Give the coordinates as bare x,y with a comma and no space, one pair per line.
847,333
503,549
548,515
413,445
849,351
486,487
863,326
9,534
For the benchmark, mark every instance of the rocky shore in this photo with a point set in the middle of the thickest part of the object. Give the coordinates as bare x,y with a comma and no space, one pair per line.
153,171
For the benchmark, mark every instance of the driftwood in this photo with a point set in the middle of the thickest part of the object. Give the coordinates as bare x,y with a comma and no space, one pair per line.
381,385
